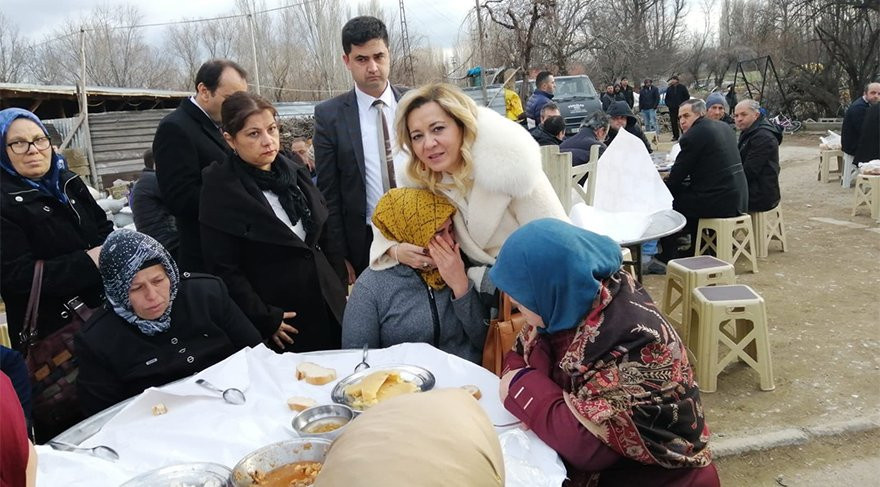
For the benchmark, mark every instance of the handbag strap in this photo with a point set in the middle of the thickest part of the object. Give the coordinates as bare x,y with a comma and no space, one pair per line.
31,314
504,307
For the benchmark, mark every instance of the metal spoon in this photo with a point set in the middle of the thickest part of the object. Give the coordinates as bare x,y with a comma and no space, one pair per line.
99,451
363,365
231,395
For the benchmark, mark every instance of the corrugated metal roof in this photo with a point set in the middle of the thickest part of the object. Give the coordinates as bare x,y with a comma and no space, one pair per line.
91,90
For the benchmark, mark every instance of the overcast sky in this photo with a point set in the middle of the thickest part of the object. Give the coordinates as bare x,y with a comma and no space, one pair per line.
439,21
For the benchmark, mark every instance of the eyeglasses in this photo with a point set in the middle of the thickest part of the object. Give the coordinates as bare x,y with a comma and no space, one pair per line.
23,146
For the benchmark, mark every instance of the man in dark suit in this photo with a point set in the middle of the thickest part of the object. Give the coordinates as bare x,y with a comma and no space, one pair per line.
707,179
352,166
676,94
188,140
851,131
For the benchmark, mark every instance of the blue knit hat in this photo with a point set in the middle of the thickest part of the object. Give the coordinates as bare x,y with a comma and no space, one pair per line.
715,99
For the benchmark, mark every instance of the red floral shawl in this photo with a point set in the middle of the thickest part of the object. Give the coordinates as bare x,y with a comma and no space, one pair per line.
627,378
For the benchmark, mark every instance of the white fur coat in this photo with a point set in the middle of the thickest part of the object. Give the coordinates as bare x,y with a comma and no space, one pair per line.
509,190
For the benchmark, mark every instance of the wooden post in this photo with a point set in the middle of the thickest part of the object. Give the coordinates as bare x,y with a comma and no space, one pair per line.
84,113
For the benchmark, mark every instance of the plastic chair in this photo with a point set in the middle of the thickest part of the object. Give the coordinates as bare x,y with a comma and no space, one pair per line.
867,192
825,156
729,238
682,276
720,315
767,227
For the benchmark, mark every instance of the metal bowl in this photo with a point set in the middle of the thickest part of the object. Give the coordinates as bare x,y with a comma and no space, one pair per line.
314,417
201,474
278,455
421,377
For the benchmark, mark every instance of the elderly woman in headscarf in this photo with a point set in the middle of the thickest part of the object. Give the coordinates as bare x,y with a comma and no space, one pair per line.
597,372
156,327
47,214
400,304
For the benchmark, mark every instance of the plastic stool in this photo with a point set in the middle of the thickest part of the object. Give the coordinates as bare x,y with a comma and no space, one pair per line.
867,193
719,315
767,227
731,238
682,276
825,157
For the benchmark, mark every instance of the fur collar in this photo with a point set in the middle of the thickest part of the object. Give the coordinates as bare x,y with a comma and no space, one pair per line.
507,159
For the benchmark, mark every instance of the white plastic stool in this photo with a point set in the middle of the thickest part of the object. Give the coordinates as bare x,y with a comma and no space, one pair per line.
729,238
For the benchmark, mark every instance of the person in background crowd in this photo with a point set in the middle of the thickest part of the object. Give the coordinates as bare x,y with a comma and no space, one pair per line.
512,103
716,109
607,97
18,458
852,129
627,92
618,94
47,214
551,109
400,304
189,140
353,167
300,146
649,100
759,151
622,118
546,87
593,131
869,142
157,326
151,216
550,132
430,445
730,97
482,163
264,232
710,158
597,372
676,94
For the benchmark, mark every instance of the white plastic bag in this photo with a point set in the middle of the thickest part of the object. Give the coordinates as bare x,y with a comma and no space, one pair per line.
521,461
870,167
830,141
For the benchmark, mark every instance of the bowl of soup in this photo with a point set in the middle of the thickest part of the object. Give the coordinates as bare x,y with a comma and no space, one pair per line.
290,463
325,421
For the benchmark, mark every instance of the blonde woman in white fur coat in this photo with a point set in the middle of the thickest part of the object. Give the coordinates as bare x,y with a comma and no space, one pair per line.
488,166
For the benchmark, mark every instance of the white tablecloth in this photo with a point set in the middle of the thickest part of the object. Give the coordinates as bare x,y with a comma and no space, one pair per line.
200,427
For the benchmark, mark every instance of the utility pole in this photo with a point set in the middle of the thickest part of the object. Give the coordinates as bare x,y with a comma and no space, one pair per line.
482,55
254,47
407,51
84,111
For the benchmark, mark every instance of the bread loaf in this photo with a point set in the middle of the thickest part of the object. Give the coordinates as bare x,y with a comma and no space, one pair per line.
473,390
298,403
314,374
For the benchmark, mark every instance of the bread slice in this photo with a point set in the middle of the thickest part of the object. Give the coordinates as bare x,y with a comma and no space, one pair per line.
299,403
159,409
473,390
315,374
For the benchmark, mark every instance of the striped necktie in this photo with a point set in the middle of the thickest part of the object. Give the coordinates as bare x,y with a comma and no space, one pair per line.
386,161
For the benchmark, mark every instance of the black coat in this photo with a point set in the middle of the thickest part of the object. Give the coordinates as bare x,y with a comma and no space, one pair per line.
186,142
117,361
339,161
579,146
869,143
649,98
851,132
151,216
37,226
628,95
676,95
718,187
269,270
542,137
620,109
759,151
607,100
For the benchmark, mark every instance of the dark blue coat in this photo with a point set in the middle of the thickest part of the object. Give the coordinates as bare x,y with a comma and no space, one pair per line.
852,125
536,103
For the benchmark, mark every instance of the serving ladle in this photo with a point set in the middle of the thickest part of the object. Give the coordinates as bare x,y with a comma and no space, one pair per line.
99,451
363,365
231,395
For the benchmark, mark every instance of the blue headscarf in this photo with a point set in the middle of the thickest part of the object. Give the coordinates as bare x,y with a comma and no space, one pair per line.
555,269
123,254
50,183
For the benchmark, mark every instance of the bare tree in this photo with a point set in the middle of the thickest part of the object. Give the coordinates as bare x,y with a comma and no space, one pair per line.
15,52
564,34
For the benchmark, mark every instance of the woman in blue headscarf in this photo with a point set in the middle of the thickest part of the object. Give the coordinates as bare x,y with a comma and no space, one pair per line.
47,214
157,325
597,372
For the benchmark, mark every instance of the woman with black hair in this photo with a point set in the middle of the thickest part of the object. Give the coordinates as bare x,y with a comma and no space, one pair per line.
263,227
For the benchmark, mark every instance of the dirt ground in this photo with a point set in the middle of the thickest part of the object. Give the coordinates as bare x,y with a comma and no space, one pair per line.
823,305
